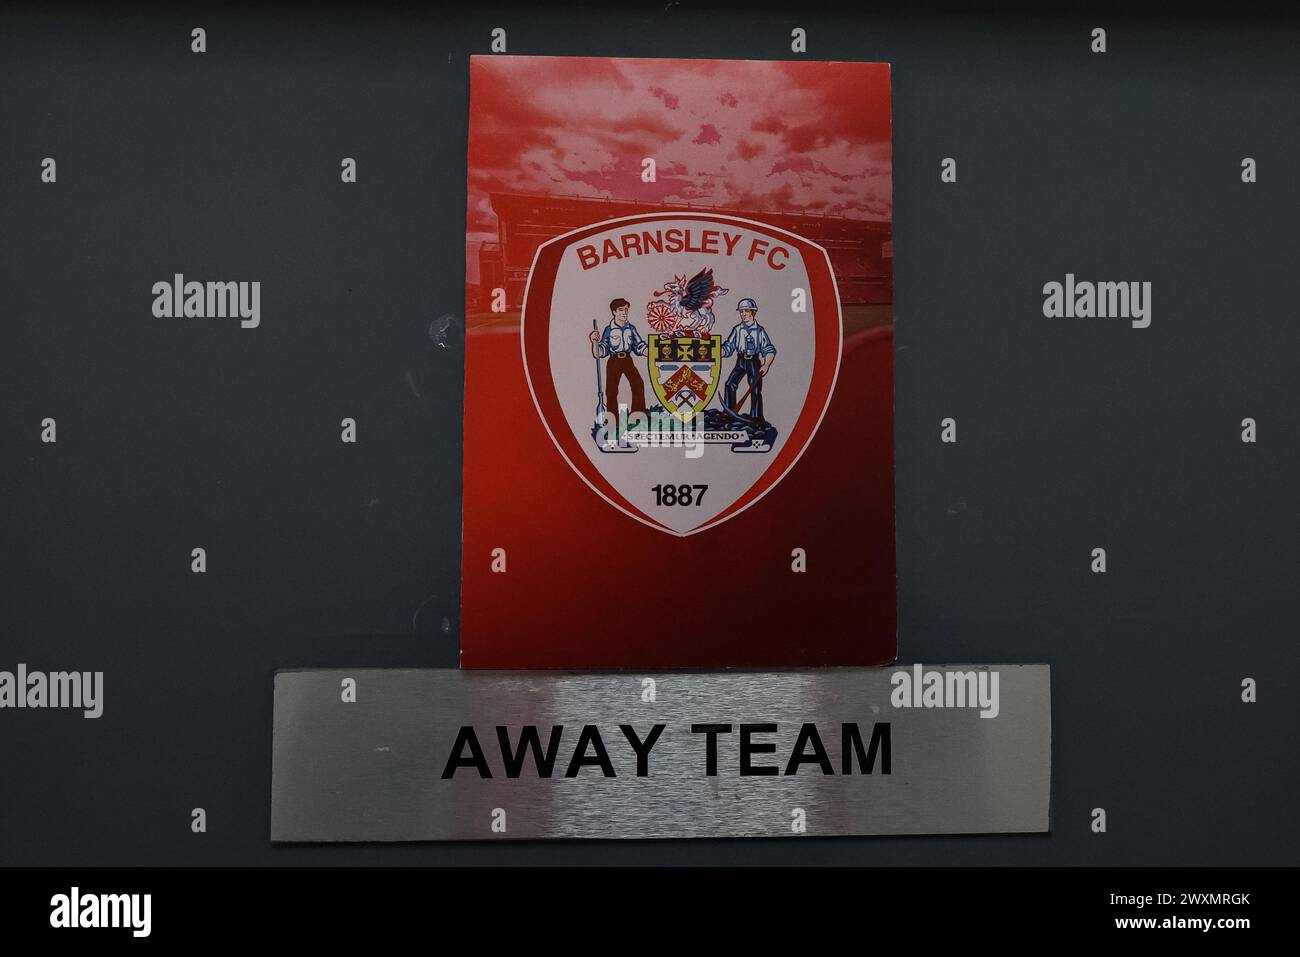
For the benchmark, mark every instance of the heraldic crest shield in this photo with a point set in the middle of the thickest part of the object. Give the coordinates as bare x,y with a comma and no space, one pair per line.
737,327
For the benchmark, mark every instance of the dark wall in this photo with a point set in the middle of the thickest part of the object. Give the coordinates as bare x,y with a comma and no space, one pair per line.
1073,434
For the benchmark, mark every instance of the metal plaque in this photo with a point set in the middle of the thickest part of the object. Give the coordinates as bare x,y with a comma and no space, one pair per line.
428,755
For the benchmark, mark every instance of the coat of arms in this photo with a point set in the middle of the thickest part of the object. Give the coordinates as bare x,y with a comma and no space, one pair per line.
668,455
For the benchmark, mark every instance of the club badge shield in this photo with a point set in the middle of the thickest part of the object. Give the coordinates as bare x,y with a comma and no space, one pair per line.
681,363
684,371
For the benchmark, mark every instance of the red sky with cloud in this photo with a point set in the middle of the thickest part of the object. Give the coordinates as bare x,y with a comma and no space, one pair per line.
740,134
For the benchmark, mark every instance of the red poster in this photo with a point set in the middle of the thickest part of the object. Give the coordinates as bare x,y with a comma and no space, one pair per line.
679,365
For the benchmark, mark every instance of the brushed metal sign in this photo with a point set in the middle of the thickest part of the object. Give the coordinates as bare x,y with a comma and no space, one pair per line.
430,755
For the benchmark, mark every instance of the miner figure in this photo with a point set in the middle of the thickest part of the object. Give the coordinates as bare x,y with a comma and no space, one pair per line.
619,344
754,353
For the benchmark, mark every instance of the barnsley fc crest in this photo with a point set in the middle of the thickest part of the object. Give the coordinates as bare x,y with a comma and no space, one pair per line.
681,363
